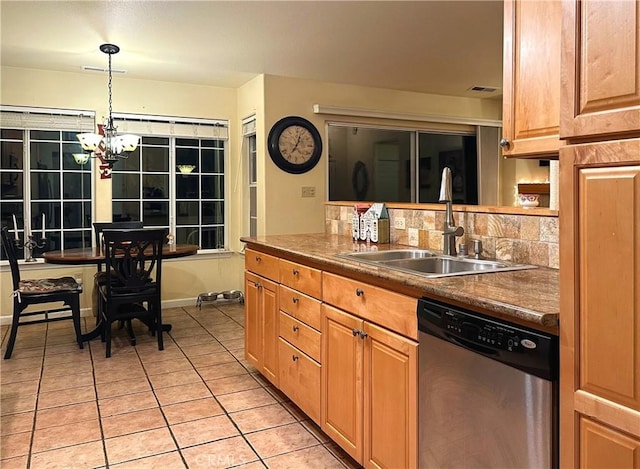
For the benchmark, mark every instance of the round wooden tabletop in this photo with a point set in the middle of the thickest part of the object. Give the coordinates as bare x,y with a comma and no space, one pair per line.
94,255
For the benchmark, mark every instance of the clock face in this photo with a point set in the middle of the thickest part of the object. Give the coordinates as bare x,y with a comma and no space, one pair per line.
294,144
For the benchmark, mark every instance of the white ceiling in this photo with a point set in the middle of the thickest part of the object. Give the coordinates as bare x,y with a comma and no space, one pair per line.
442,47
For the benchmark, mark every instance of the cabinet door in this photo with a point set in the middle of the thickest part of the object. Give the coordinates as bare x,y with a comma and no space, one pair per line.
252,320
269,293
531,78
342,349
261,325
600,68
300,379
599,289
390,399
601,446
609,282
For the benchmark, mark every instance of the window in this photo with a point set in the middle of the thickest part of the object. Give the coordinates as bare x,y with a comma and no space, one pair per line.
249,143
175,179
39,179
402,165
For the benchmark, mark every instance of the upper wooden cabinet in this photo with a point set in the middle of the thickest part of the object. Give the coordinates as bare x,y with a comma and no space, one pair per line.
600,69
531,80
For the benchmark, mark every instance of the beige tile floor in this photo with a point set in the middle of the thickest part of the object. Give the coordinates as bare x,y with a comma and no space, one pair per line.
197,404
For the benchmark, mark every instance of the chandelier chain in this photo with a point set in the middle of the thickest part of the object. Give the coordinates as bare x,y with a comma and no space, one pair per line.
110,99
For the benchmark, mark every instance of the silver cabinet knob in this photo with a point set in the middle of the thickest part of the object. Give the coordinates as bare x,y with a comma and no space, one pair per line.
504,143
295,328
258,258
295,300
355,332
363,335
295,272
359,292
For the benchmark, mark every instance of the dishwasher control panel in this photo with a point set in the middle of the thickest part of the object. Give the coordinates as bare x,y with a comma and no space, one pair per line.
530,350
484,333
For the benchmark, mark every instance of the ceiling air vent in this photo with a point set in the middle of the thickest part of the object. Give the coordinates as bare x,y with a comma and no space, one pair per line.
91,68
483,89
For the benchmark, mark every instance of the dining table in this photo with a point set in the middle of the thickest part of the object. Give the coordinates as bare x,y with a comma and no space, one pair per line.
96,255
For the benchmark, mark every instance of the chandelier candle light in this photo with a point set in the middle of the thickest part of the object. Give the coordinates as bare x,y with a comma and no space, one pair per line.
109,147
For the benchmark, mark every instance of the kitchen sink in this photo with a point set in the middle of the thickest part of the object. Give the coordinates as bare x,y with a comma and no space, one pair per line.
392,255
429,264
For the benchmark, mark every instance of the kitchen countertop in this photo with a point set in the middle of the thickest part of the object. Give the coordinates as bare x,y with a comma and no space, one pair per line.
530,296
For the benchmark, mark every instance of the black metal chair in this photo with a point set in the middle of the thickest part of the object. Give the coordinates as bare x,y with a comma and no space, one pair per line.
100,278
132,288
99,227
40,291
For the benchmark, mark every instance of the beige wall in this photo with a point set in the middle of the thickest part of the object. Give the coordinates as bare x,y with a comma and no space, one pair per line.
251,102
183,279
281,209
285,210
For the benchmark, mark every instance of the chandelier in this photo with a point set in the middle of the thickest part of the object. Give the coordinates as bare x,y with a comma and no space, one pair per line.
107,145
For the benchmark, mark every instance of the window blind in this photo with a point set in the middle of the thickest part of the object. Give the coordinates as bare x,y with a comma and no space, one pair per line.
248,126
46,119
171,126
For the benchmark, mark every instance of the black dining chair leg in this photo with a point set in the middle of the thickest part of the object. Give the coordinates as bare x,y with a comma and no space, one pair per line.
158,325
75,314
132,336
107,337
14,328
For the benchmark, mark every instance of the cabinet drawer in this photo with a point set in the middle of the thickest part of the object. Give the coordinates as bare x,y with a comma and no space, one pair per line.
389,309
261,264
300,379
300,335
301,278
300,306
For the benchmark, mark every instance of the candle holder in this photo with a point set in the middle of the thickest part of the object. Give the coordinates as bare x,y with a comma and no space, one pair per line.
30,244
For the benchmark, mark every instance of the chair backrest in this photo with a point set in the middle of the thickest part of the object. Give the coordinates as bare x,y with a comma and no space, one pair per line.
99,227
134,258
10,250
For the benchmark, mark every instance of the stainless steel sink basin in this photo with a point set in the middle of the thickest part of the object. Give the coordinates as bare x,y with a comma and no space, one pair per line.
430,264
384,256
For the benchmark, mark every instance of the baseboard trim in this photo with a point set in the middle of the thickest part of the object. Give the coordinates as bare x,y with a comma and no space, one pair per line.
87,312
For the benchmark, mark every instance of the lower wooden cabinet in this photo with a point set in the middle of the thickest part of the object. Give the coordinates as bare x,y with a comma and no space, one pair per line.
390,399
261,325
603,446
370,390
300,378
346,370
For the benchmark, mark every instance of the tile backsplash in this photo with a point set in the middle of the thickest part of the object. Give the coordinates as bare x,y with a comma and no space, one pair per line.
520,238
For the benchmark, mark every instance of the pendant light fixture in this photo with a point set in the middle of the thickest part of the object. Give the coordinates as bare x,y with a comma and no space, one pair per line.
108,146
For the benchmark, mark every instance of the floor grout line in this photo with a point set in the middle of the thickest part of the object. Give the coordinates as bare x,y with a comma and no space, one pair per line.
141,354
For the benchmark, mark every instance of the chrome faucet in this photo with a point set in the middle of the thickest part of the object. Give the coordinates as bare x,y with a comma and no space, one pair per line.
450,230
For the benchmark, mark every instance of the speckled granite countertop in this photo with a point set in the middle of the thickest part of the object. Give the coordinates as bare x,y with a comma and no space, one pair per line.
529,295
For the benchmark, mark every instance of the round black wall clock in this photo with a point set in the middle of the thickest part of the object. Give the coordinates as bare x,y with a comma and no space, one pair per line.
294,144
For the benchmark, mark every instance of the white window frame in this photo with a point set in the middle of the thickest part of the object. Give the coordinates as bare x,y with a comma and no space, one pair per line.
250,152
27,119
175,128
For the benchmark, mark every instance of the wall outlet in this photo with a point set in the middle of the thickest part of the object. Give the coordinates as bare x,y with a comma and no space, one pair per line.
414,237
308,191
398,223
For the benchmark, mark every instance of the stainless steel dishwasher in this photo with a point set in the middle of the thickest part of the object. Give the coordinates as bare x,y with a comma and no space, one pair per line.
488,392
